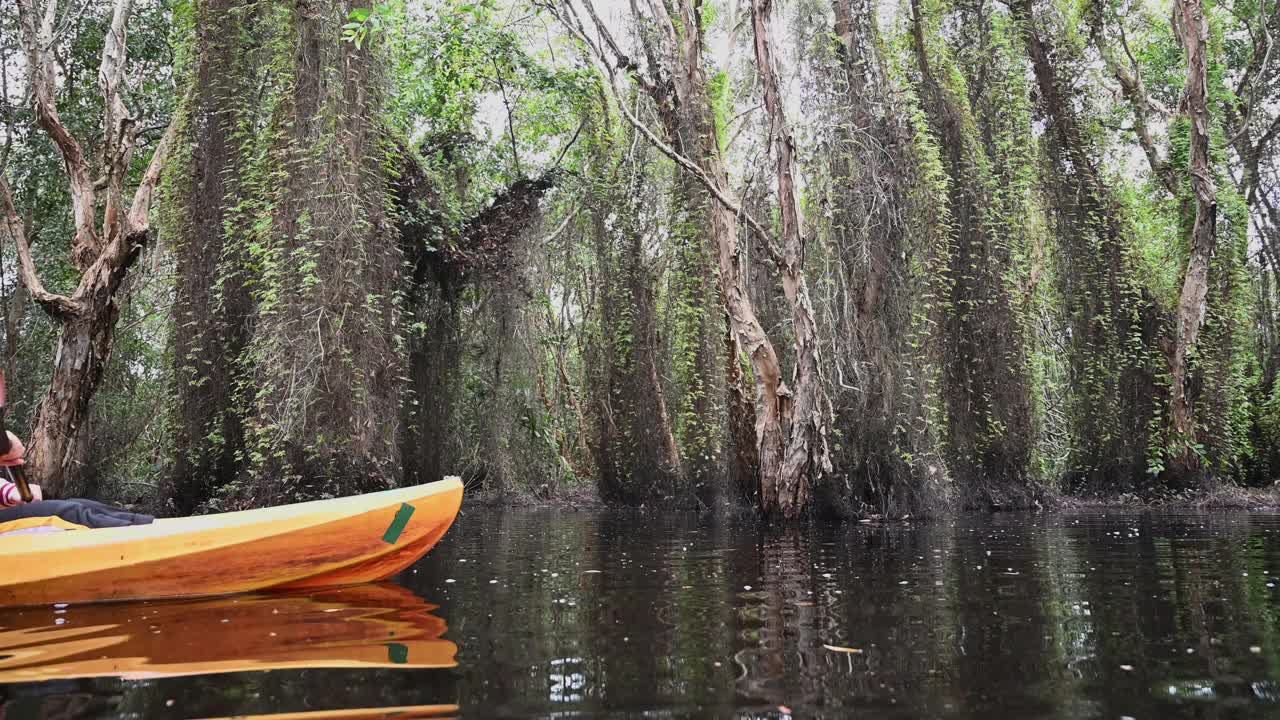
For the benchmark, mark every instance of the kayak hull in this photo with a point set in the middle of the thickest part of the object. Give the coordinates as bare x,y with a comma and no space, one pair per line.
343,541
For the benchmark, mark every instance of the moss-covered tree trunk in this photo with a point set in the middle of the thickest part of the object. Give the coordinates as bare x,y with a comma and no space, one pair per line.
1201,437
326,374
876,290
635,446
699,405
790,422
1112,325
743,467
434,358
446,265
212,307
986,386
713,412
1193,28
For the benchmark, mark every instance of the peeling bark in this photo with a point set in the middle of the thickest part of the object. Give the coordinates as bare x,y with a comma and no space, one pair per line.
1193,30
803,412
790,430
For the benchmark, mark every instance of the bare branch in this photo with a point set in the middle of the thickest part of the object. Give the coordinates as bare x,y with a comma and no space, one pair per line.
511,123
118,129
662,15
58,306
1258,61
780,139
1269,135
139,220
1143,105
565,150
655,64
621,59
37,40
1244,90
719,193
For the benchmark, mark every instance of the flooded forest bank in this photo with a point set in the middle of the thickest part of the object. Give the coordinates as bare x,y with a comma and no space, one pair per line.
853,258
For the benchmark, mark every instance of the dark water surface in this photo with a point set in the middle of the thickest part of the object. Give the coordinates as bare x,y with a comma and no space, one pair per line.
563,614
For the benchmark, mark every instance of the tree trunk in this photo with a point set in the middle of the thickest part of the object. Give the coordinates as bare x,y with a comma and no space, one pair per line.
889,460
744,463
84,347
636,450
754,342
684,108
501,408
1113,327
670,480
804,410
103,253
711,412
985,380
790,431
699,400
13,328
326,373
482,254
1193,30
212,307
434,357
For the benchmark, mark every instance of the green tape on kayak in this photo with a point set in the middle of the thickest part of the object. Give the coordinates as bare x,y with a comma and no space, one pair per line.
398,524
397,653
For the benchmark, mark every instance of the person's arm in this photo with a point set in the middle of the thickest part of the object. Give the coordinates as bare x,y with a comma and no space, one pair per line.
14,490
10,496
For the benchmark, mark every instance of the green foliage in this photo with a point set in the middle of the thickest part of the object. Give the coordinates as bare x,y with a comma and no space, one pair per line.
1020,329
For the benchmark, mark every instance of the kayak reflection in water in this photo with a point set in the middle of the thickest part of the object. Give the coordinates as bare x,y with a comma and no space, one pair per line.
19,515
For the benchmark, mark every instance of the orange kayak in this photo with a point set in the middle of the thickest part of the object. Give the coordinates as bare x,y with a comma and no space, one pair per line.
344,541
364,626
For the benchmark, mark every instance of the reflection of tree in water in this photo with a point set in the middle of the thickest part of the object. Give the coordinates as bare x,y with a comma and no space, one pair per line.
1181,613
838,587
661,625
774,591
618,612
531,610
1008,640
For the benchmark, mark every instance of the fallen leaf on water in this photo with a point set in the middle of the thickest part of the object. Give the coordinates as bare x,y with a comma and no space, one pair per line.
837,648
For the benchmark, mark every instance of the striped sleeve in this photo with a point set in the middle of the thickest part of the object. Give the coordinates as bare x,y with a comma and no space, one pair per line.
9,494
